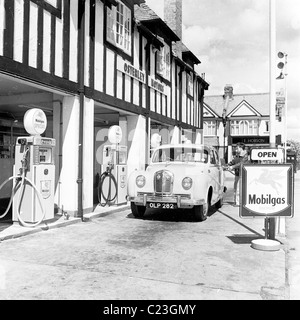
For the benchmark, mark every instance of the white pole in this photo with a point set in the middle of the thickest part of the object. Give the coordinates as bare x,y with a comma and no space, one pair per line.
272,7
272,107
285,106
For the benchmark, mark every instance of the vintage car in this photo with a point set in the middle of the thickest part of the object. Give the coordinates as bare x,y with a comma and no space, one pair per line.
184,176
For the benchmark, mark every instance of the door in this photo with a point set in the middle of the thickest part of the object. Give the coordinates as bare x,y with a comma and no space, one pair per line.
215,175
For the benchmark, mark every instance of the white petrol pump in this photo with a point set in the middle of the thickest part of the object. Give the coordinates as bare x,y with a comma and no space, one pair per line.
113,181
33,173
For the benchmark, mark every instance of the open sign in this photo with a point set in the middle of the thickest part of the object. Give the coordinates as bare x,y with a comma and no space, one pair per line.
267,154
267,190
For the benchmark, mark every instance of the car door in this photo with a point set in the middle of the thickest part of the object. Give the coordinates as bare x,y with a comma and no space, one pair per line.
214,172
220,173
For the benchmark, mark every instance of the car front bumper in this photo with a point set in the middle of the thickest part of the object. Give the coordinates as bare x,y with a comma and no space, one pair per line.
181,200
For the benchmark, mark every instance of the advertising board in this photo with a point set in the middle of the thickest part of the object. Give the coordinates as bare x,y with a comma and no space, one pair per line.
267,190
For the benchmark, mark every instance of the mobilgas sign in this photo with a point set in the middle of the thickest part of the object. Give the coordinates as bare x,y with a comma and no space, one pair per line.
267,190
267,154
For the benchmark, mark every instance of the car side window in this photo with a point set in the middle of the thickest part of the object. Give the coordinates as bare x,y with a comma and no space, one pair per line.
212,158
217,157
205,156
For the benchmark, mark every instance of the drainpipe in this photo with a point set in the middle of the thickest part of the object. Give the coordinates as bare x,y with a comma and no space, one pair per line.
81,36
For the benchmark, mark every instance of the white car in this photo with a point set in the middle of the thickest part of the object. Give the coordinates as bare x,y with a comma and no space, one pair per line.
185,176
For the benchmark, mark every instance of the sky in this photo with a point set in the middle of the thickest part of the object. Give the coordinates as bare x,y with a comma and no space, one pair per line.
231,39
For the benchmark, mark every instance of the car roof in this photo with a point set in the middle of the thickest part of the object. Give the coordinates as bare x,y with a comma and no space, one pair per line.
184,145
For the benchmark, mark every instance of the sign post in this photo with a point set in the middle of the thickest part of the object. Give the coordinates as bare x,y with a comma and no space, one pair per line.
267,192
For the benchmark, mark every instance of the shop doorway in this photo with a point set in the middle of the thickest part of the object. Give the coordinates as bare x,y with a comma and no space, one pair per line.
16,98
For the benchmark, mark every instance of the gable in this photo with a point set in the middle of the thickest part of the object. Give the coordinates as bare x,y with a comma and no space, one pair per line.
208,113
242,110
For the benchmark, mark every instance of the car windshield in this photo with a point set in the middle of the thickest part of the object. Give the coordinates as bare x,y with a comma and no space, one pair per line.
180,154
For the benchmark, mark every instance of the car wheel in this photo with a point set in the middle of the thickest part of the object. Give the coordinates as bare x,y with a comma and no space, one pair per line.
200,212
219,204
137,211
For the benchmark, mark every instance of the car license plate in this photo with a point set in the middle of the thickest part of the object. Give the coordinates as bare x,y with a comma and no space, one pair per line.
157,205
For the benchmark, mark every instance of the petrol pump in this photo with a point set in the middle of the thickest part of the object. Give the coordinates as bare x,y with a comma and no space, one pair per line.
33,173
113,181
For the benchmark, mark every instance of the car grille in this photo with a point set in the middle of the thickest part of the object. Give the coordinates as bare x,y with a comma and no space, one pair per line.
163,182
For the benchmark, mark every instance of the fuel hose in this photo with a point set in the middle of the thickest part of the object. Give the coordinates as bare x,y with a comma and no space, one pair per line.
109,178
20,183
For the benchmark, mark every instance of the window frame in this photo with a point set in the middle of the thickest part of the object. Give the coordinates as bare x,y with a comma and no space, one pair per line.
56,11
164,55
190,84
251,127
209,127
119,28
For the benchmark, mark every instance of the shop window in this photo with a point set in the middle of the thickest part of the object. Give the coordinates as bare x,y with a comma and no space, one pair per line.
163,61
118,31
210,128
8,136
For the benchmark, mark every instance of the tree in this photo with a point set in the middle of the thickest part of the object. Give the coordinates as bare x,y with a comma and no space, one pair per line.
294,146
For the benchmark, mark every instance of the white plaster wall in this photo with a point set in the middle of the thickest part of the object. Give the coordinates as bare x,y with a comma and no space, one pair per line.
136,54
119,84
127,88
87,44
2,25
88,155
73,72
184,102
144,40
136,143
59,47
172,106
47,41
99,46
262,128
110,68
33,28
158,104
69,171
18,29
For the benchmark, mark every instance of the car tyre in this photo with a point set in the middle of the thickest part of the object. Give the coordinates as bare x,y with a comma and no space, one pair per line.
137,211
219,204
200,212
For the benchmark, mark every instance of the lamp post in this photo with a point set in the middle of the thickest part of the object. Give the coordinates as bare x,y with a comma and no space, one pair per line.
283,75
270,223
224,121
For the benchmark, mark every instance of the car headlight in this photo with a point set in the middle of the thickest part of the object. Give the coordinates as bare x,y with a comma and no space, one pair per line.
187,183
140,181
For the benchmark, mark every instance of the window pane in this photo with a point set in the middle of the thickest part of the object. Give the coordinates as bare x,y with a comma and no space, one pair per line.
119,27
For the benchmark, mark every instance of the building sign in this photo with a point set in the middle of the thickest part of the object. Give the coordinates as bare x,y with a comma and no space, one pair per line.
267,190
156,85
35,121
267,154
131,71
251,140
